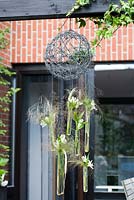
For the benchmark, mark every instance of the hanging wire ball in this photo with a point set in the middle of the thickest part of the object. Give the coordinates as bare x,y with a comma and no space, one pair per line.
68,55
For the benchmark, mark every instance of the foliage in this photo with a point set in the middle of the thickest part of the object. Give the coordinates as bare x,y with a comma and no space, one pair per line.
78,4
3,41
115,17
5,100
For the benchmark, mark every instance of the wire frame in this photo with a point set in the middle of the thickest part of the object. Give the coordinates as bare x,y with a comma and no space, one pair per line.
68,55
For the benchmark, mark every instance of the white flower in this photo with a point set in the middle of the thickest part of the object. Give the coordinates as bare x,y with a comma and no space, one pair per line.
74,102
87,162
60,140
80,124
3,183
44,122
90,164
63,139
84,158
93,105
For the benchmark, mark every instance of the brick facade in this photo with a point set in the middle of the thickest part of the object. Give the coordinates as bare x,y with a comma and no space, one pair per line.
29,40
5,56
5,116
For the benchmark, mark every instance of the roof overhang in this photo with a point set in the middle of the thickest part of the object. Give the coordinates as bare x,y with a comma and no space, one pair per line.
46,9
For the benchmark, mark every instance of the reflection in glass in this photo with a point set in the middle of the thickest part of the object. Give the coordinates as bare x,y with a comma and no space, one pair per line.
40,160
114,147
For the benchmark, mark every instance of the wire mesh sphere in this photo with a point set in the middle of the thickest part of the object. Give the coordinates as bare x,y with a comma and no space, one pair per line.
68,55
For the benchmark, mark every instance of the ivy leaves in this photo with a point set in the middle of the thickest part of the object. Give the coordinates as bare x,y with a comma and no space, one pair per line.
3,40
81,22
115,17
5,99
78,4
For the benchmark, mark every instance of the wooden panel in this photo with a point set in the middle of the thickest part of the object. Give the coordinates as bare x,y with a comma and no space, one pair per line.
39,9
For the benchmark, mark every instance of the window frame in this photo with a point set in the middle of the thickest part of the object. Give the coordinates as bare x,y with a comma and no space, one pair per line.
108,101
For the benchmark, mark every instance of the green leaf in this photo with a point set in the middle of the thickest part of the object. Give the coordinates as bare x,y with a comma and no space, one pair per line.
2,171
5,147
82,23
3,161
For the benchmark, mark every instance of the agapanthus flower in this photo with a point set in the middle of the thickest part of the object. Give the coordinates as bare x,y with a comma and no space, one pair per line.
60,142
73,103
80,124
86,162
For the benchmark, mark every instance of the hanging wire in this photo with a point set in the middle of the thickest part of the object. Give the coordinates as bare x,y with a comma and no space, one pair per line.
70,24
42,166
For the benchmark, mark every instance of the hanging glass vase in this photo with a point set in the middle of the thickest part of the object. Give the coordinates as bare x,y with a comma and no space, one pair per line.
61,171
87,131
52,135
85,179
69,123
77,143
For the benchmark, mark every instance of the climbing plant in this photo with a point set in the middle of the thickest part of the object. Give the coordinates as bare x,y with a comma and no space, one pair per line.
78,4
115,17
6,91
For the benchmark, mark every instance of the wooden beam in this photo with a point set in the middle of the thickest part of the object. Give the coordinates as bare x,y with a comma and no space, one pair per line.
46,9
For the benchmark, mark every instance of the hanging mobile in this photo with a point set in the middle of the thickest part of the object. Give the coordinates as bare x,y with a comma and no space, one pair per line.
68,55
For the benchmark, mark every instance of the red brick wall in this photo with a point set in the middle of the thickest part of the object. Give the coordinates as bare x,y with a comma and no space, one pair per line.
5,116
29,40
5,55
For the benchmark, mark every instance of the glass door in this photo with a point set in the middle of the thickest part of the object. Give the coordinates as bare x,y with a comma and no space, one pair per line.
37,162
37,173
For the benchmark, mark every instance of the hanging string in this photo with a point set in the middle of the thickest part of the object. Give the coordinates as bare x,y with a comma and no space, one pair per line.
70,24
42,165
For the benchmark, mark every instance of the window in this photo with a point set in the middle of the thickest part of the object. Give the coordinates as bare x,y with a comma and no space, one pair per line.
114,147
113,150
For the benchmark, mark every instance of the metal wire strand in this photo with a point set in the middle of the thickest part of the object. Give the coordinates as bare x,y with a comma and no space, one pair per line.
68,55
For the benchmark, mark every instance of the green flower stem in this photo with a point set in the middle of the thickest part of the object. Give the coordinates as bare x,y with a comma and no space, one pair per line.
69,122
77,143
61,172
87,131
85,179
51,127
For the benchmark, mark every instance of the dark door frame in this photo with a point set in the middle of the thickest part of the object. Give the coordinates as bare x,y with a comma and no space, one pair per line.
20,71
39,69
